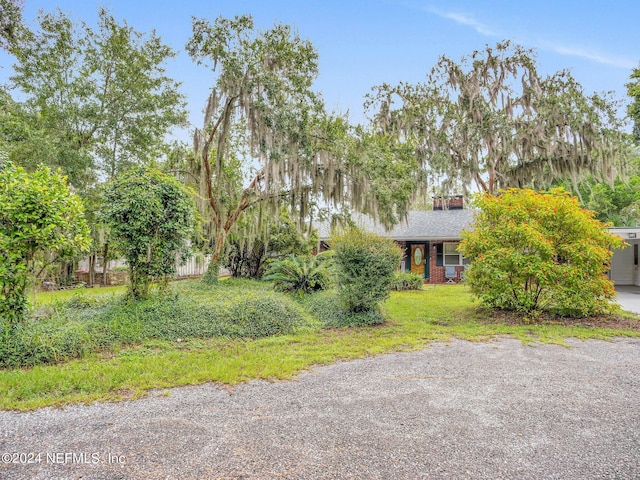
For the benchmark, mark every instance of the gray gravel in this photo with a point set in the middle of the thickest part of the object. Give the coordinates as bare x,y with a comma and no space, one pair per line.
459,410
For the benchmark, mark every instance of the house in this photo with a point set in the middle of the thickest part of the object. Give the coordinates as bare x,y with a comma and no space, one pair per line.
429,239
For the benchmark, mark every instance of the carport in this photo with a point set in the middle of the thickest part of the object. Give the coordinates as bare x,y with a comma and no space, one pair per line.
629,298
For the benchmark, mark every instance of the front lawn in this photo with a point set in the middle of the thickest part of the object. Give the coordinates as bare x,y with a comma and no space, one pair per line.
160,344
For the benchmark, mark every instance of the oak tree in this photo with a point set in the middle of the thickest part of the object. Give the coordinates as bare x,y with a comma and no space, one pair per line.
494,122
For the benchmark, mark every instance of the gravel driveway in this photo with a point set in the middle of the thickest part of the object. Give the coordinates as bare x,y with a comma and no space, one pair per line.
459,410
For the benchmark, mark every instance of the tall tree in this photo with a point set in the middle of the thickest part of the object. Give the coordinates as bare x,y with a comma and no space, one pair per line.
633,90
96,94
10,22
494,121
265,134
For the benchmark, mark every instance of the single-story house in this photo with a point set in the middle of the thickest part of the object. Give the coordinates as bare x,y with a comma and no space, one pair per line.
430,240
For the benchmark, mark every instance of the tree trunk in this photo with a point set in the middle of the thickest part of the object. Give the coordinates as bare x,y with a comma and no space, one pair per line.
105,263
213,270
92,266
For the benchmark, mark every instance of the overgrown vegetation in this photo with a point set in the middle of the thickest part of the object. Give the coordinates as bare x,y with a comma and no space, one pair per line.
86,324
151,217
539,252
406,281
414,319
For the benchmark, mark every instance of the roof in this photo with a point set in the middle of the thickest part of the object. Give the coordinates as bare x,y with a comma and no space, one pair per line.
419,225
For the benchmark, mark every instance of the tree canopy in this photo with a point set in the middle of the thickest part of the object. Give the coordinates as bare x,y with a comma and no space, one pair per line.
91,95
493,121
633,90
266,135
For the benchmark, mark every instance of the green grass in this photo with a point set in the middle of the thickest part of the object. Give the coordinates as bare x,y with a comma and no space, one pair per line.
415,319
46,298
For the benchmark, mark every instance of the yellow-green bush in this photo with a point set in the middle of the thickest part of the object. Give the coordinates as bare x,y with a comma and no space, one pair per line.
539,251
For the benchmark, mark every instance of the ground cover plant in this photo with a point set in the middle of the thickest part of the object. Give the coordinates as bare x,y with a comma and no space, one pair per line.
86,324
413,320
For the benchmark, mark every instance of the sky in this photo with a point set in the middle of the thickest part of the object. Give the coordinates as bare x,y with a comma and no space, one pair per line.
364,43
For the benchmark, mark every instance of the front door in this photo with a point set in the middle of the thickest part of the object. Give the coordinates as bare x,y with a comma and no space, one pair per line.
418,256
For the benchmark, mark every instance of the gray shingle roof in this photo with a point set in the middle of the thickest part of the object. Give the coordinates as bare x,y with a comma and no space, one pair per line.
420,225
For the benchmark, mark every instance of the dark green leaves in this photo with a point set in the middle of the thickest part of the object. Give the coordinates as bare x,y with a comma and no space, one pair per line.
151,217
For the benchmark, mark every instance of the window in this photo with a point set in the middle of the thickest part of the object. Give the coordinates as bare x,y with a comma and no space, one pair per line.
635,254
452,256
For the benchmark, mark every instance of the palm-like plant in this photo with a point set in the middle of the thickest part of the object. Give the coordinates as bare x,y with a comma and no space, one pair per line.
300,274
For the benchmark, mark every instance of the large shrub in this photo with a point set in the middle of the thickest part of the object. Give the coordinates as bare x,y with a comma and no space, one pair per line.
539,251
151,216
365,265
38,213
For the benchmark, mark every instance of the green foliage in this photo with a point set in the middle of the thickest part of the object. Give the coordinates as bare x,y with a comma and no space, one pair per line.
88,324
328,308
91,94
494,122
264,315
392,175
260,237
151,217
633,90
406,281
539,252
38,213
259,111
300,274
10,22
366,264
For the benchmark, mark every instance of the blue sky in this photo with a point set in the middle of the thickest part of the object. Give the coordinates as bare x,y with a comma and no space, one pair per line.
363,43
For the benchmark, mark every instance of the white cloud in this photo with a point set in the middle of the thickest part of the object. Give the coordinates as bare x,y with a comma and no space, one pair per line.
580,52
570,51
462,19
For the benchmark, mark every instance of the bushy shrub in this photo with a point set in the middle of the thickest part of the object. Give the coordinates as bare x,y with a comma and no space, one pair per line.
365,265
406,281
300,274
38,213
265,315
328,309
151,215
539,252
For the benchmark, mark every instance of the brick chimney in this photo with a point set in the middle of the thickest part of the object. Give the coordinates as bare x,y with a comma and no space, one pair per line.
454,202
